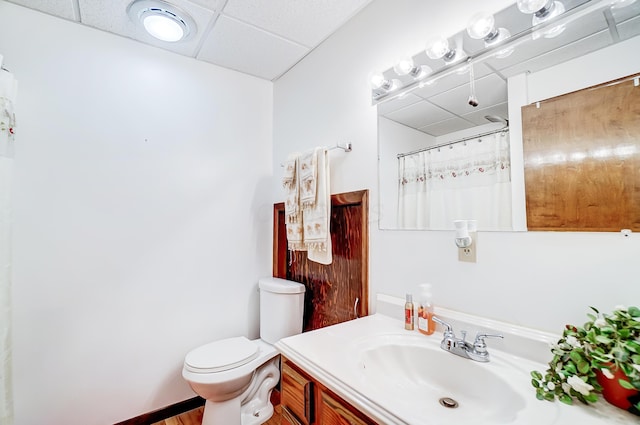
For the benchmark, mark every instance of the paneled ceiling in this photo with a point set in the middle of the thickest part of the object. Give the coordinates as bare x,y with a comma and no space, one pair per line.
264,38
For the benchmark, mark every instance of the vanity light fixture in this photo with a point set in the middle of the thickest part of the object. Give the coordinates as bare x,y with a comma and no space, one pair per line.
406,66
438,48
162,20
482,27
543,11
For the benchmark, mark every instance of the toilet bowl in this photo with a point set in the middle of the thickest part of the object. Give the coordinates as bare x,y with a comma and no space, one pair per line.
236,375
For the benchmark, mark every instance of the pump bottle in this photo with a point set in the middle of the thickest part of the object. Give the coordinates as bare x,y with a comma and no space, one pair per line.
408,313
426,324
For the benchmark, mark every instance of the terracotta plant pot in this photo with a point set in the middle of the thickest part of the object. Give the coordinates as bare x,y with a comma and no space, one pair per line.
617,395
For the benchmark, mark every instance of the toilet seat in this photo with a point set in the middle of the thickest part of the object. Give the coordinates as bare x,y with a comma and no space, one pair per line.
221,355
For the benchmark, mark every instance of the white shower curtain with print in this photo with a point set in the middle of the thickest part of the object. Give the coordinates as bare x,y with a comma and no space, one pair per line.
470,180
8,88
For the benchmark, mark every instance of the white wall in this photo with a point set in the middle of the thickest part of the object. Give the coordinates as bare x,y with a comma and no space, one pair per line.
537,279
142,217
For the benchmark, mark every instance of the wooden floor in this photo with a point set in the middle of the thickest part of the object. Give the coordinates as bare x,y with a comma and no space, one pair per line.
194,417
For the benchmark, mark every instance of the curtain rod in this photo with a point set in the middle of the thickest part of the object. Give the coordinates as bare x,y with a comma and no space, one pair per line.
464,139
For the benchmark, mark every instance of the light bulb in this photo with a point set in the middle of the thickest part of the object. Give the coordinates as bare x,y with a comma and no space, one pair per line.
163,27
377,80
437,47
404,66
480,25
532,6
503,34
556,9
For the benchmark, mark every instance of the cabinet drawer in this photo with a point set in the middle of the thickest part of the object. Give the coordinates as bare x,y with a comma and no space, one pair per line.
334,411
297,395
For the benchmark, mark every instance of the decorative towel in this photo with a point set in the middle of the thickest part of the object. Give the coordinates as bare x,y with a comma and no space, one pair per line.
292,211
316,219
290,183
308,178
308,204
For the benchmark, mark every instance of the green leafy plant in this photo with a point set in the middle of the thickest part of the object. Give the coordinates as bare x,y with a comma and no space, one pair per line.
606,343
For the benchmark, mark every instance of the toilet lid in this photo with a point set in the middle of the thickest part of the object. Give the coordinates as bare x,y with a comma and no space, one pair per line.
221,355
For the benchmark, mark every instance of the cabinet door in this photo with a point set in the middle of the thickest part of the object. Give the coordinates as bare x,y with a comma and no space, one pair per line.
296,396
334,411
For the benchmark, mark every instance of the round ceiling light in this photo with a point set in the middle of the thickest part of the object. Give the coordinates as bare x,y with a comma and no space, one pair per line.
162,20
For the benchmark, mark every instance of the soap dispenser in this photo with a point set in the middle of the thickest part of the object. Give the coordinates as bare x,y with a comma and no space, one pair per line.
426,324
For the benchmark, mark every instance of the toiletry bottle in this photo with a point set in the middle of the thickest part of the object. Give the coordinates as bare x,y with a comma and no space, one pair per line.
408,313
426,324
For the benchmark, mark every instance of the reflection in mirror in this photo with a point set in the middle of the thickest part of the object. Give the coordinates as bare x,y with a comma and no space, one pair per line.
437,109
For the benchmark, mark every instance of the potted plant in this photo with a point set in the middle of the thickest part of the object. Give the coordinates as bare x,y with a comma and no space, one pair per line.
602,356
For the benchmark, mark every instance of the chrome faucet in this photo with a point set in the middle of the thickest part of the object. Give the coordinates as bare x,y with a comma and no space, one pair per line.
475,351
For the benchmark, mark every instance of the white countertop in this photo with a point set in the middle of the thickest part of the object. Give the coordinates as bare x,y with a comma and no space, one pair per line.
330,356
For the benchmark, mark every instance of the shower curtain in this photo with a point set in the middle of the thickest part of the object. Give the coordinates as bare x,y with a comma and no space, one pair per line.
8,89
470,180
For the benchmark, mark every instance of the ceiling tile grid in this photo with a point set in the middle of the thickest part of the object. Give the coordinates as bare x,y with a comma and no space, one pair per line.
61,8
307,22
245,48
263,38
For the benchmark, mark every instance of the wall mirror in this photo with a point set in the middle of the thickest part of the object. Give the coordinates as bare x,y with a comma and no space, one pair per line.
426,118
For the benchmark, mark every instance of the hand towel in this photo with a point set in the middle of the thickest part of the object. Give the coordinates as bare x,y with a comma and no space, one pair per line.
292,211
291,185
316,219
308,181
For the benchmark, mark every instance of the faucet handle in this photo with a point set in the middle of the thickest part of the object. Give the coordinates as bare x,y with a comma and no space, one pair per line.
480,345
449,330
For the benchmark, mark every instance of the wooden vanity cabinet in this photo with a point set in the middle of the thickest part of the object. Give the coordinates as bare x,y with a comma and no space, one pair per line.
305,401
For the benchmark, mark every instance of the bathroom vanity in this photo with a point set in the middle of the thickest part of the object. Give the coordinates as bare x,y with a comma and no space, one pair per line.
371,371
306,401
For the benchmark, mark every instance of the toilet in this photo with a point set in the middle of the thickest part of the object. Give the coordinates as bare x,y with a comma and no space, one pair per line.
236,375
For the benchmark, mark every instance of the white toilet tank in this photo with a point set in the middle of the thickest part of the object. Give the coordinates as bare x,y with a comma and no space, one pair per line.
281,308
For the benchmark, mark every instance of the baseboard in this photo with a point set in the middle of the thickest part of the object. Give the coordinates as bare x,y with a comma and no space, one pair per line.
165,412
180,408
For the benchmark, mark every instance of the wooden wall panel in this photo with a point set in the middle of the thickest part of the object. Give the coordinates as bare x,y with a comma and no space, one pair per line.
582,160
331,289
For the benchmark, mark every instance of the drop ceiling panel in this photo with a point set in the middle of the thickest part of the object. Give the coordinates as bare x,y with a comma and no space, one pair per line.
61,8
307,22
590,25
451,81
397,103
490,90
554,57
112,16
448,126
478,117
419,115
245,48
629,28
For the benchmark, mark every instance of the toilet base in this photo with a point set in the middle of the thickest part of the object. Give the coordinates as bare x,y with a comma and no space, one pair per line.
222,412
253,406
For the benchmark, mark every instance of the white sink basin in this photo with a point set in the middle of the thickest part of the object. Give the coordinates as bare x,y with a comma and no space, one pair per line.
412,371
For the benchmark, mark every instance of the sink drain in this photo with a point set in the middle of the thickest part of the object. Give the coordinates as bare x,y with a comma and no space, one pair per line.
448,402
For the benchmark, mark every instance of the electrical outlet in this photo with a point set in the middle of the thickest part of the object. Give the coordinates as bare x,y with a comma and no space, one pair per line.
468,254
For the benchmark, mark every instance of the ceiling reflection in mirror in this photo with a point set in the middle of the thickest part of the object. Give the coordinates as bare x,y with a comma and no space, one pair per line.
436,99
